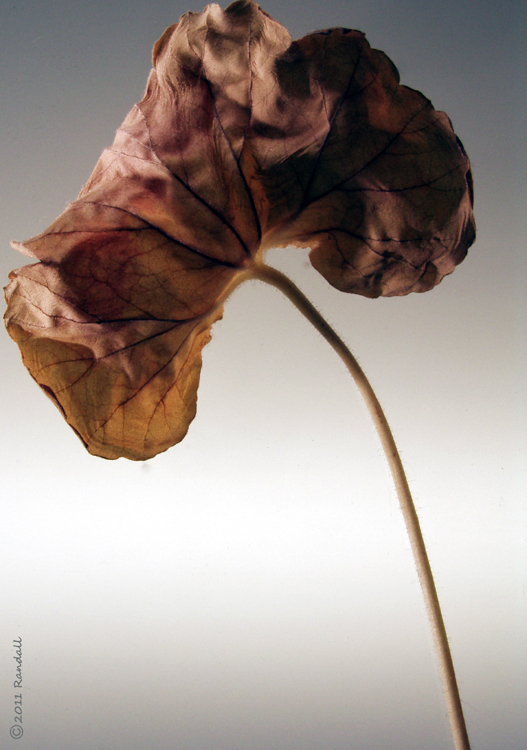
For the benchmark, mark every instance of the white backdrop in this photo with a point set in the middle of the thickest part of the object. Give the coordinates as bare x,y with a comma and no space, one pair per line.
253,587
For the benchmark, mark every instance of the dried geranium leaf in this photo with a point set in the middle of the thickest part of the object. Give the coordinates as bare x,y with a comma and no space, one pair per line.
243,141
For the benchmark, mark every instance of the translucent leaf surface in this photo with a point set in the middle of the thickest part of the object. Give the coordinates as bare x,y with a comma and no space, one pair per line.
243,141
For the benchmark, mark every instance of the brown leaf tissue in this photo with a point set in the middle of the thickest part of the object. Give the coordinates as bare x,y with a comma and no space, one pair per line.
244,141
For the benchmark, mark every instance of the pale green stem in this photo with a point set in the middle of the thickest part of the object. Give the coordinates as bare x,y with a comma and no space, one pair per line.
455,712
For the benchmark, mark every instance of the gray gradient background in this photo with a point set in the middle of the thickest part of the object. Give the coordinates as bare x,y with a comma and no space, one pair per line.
252,588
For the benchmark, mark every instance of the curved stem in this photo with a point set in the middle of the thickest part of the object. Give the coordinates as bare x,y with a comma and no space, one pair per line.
285,285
